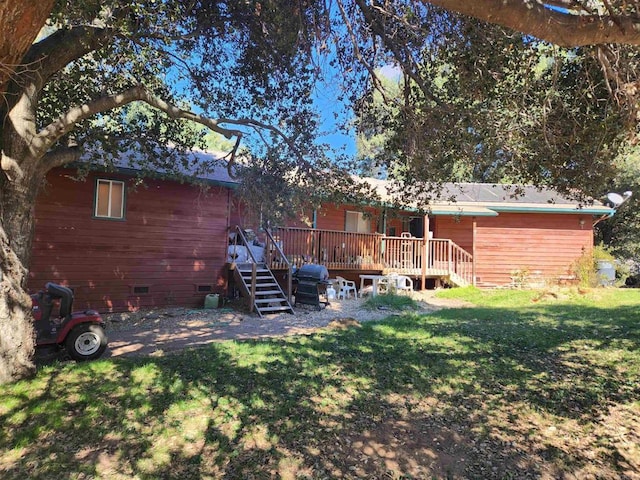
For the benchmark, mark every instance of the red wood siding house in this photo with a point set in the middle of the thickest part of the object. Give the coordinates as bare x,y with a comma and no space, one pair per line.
169,249
534,242
488,233
122,247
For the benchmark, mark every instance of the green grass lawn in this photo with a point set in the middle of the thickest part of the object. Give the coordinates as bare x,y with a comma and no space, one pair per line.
521,385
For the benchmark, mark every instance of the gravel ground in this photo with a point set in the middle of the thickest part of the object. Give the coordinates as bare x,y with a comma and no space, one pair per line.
158,331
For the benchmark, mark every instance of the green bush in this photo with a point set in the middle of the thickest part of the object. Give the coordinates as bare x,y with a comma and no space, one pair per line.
586,267
391,301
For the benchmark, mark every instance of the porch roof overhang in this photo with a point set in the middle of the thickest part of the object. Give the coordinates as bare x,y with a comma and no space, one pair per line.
552,208
493,210
462,210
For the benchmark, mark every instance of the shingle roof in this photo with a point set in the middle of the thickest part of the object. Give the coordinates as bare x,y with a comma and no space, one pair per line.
498,193
454,198
489,199
209,166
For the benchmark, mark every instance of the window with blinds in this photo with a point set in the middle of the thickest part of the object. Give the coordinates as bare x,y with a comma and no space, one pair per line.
357,222
109,199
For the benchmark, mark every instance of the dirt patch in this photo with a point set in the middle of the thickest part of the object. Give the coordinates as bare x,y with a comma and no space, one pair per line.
158,331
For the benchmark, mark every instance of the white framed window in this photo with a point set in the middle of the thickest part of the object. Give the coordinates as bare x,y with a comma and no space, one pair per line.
357,222
109,202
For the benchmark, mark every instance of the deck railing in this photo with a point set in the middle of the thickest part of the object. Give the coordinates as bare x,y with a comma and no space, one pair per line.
332,248
447,258
368,251
403,255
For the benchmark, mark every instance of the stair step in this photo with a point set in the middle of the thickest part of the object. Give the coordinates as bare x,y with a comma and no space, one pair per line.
270,300
283,308
261,278
267,290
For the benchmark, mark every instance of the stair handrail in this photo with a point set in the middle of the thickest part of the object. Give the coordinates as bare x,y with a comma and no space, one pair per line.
461,264
272,241
240,232
252,292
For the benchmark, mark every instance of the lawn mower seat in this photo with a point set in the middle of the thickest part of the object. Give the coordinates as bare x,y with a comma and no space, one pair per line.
65,294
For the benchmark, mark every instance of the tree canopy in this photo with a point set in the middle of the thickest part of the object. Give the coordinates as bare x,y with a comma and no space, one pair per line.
248,70
483,103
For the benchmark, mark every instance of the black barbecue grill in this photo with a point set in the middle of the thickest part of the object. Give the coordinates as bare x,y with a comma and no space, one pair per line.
311,280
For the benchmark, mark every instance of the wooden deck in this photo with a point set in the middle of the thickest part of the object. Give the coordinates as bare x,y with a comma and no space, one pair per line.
337,250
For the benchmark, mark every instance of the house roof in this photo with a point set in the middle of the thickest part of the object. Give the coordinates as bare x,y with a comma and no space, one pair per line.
511,198
461,199
207,166
489,199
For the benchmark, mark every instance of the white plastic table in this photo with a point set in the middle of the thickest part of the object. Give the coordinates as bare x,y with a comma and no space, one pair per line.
374,279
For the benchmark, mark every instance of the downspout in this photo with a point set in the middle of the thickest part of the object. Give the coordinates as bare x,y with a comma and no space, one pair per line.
603,217
315,236
384,221
228,209
383,243
226,242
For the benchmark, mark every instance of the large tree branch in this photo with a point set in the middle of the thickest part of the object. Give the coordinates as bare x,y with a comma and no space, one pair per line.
62,156
357,51
62,47
67,121
401,53
531,17
49,135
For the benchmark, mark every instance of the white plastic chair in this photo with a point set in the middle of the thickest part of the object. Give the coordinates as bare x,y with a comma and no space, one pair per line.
346,286
403,283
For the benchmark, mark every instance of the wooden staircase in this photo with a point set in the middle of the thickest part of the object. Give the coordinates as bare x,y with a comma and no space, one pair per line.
258,284
458,281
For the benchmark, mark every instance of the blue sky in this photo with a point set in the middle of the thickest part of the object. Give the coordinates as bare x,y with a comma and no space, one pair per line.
328,107
326,100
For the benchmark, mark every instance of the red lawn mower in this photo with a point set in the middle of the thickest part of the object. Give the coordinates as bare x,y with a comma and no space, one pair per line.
81,334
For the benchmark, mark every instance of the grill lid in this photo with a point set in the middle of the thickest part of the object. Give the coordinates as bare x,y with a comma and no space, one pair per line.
312,272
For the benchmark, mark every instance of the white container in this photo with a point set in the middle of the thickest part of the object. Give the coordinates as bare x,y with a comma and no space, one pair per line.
606,273
331,293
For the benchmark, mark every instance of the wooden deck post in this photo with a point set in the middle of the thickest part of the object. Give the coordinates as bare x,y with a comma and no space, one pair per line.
473,252
425,250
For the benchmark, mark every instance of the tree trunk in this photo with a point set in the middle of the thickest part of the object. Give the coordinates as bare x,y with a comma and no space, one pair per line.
17,336
20,22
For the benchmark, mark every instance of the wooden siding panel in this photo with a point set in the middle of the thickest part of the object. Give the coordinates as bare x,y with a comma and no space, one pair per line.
333,217
173,238
457,229
549,243
397,223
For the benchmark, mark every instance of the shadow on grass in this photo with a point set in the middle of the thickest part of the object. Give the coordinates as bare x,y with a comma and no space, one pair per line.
445,395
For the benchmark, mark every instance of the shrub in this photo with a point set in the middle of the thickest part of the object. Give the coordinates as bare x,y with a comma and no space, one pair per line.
391,301
586,267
